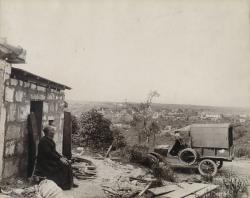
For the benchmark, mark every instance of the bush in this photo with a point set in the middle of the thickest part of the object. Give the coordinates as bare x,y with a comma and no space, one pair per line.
240,132
163,171
95,130
139,154
231,185
135,153
75,125
234,184
118,139
242,150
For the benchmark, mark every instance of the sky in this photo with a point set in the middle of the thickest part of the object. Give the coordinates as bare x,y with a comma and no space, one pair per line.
190,51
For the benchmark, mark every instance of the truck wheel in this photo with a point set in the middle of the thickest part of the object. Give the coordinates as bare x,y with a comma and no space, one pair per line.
219,164
207,167
188,156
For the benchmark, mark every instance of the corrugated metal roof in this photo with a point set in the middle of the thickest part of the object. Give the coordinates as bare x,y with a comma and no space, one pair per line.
26,76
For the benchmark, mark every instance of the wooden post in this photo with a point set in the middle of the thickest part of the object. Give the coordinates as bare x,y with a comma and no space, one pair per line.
67,135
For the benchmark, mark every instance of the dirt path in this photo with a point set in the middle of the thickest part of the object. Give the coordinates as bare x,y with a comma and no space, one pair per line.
239,166
107,172
110,172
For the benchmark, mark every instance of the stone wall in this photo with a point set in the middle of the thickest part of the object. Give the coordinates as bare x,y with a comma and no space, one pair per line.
5,70
17,100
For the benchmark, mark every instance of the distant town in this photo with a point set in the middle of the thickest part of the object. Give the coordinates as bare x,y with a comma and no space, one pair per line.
169,116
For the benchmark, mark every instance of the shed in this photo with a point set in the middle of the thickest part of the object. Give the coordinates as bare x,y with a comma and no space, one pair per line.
22,94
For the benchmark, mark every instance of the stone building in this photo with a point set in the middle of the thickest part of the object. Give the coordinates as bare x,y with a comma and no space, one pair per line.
21,93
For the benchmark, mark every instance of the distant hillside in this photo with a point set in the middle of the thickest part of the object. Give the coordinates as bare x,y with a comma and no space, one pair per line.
77,107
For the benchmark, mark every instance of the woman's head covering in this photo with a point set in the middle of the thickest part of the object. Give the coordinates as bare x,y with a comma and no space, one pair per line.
48,128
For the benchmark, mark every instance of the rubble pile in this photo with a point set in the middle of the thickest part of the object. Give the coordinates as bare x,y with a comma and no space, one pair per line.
83,168
129,183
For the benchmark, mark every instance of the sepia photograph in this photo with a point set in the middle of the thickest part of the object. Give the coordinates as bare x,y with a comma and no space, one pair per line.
124,99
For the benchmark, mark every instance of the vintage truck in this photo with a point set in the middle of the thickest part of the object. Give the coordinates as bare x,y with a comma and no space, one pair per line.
205,146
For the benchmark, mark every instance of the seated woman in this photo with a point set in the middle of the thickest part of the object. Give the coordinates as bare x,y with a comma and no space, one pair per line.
51,164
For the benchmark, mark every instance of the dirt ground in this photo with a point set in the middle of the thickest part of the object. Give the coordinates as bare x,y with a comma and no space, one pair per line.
239,166
108,171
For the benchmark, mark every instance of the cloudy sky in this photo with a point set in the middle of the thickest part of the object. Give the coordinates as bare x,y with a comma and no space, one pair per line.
190,51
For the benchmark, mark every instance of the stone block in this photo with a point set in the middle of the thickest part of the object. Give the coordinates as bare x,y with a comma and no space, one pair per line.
6,77
56,107
21,83
11,167
45,107
40,88
7,82
51,107
8,69
11,112
23,112
44,123
51,96
32,86
26,84
62,116
19,96
13,132
45,118
10,147
13,82
51,117
37,96
9,94
20,148
41,96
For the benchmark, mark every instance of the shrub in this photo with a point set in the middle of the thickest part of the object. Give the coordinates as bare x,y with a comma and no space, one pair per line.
231,185
118,139
235,184
75,125
139,154
95,130
163,171
136,153
242,150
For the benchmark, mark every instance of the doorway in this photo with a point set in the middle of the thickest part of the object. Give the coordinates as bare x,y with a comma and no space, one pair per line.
34,133
37,108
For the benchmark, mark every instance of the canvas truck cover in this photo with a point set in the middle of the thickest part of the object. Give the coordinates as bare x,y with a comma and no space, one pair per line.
211,135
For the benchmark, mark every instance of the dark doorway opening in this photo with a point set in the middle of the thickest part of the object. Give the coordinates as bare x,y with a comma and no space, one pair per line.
34,133
67,133
37,108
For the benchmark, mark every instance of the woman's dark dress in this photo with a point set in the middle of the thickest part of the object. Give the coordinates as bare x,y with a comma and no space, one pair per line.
50,166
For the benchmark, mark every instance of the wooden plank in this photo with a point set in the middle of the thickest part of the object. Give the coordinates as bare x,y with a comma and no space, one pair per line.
67,135
186,190
204,191
145,189
33,134
163,190
110,147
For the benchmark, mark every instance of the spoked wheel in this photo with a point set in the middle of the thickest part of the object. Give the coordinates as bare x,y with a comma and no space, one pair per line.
188,156
207,167
219,164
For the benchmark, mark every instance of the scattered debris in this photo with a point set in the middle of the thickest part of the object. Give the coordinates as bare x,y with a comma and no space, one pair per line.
83,168
110,148
188,190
